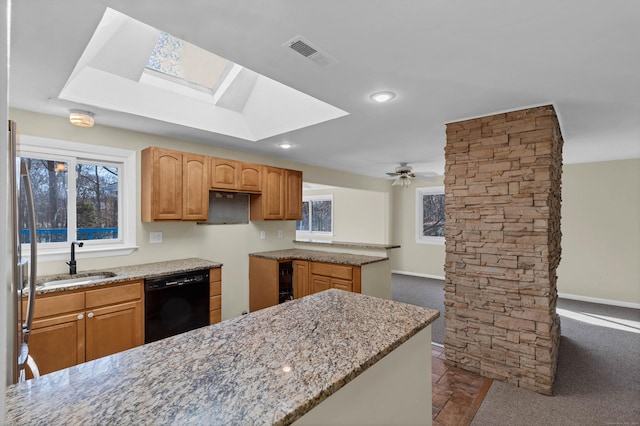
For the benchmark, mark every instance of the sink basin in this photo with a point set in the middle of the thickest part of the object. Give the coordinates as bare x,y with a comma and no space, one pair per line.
79,279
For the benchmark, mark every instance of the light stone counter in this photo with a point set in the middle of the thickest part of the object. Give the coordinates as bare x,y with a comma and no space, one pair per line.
320,256
266,368
130,273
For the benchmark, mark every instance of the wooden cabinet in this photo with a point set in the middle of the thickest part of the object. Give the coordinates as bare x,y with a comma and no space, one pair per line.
293,195
174,185
235,176
114,319
57,338
308,277
301,286
324,276
263,283
215,295
75,327
281,197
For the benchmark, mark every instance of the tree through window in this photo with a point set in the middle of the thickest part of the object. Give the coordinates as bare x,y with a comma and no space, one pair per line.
430,214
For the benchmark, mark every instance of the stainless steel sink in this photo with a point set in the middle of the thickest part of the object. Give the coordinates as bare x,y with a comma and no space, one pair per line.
79,279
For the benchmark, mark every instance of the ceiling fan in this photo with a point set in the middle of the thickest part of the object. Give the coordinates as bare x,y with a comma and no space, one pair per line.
404,173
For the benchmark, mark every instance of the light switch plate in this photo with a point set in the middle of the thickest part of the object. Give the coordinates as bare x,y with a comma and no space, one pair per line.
263,235
280,233
155,237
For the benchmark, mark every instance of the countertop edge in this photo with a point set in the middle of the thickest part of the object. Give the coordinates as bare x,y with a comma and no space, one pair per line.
346,244
131,273
319,256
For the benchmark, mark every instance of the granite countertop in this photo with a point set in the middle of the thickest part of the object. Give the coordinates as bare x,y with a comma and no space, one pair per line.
266,368
320,256
347,244
128,273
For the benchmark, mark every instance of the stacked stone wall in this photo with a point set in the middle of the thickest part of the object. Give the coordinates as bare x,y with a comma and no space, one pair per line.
503,194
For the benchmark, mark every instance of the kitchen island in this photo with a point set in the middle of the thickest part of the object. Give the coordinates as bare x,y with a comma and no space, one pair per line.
271,367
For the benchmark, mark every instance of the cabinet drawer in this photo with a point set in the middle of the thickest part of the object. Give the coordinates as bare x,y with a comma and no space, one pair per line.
111,295
56,305
215,289
215,302
215,316
215,275
342,284
332,270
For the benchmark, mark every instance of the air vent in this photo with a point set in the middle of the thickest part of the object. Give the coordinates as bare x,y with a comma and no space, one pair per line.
311,52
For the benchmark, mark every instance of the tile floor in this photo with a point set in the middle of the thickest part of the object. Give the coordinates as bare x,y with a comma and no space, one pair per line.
457,394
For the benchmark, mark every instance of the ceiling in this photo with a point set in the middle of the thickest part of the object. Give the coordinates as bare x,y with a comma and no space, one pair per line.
445,60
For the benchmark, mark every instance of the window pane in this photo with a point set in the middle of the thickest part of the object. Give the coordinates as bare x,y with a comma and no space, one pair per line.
433,215
97,202
49,183
303,225
321,216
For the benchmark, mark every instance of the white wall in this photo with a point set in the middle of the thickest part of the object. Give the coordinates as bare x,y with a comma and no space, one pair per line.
358,215
413,257
601,230
228,244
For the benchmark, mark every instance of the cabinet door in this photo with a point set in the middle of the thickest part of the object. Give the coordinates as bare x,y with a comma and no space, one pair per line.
167,184
263,283
112,329
320,283
195,204
58,342
224,174
250,177
273,193
293,204
301,279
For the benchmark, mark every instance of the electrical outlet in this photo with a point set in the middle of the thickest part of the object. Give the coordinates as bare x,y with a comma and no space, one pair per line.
155,237
280,234
263,235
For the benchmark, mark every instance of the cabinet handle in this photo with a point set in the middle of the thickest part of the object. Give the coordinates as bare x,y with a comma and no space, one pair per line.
80,316
90,315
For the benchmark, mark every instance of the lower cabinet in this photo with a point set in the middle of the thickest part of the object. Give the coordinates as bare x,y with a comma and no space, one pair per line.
308,277
72,328
215,295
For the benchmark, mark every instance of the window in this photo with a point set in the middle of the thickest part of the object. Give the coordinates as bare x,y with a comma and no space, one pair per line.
430,215
81,192
317,215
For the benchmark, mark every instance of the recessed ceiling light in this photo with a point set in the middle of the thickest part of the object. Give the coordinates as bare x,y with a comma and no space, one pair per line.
382,96
285,145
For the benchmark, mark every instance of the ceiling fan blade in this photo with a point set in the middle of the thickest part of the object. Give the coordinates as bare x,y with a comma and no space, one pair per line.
392,174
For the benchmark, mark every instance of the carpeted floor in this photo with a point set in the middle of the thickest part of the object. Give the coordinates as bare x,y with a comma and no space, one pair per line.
425,292
598,378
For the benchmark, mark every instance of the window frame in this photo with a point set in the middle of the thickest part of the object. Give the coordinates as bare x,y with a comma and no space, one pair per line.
310,232
420,193
46,148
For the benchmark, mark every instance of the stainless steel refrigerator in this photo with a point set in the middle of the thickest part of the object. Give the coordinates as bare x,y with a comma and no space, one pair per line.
24,270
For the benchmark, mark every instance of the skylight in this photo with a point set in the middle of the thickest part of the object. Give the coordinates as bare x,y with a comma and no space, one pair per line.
132,67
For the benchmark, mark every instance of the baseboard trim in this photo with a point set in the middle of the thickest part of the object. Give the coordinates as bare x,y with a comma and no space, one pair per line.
599,300
415,274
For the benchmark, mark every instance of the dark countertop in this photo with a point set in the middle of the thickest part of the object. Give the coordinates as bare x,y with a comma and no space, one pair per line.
347,244
269,367
319,256
129,273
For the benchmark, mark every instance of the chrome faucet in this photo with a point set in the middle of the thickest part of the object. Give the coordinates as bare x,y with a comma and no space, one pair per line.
72,263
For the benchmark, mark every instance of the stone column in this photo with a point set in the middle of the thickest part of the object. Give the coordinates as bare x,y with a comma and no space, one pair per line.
502,186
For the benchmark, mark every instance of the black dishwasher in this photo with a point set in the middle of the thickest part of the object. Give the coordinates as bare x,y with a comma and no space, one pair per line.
175,303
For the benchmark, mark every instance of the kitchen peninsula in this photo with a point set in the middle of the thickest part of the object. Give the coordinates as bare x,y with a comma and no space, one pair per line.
332,357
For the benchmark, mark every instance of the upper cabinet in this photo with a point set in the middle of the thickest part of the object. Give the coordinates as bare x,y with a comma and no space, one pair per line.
281,197
174,185
233,175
